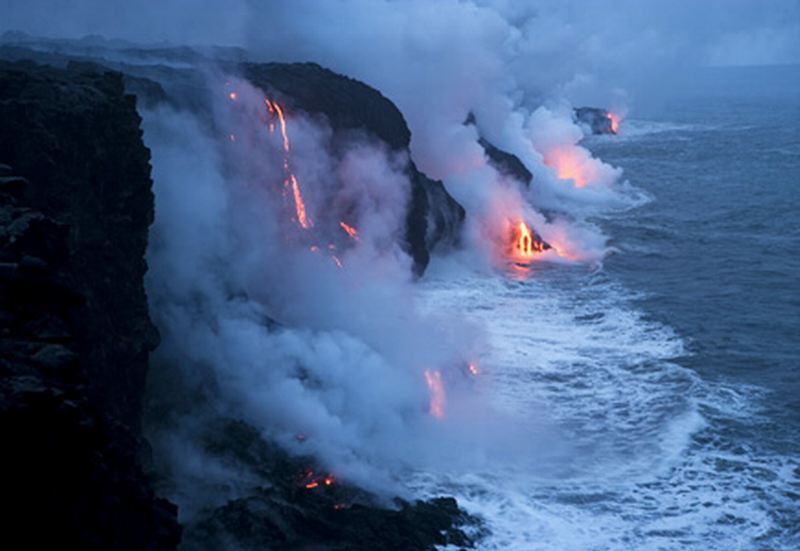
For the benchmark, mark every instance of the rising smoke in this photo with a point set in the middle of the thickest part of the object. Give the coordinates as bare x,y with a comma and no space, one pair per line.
256,325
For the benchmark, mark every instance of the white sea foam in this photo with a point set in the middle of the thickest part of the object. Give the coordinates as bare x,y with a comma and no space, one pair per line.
632,461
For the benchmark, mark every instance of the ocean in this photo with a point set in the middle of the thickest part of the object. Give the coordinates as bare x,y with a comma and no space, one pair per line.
670,374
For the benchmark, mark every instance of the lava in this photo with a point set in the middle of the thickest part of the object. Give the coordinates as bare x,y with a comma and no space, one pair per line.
436,389
282,121
614,118
274,108
350,230
310,480
526,246
300,206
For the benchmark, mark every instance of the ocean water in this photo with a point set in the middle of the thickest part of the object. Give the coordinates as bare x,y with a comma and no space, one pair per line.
672,373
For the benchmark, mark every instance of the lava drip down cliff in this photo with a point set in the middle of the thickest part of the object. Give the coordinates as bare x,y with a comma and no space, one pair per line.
434,218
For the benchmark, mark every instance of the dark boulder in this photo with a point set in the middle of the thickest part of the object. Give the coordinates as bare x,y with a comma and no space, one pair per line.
286,512
598,120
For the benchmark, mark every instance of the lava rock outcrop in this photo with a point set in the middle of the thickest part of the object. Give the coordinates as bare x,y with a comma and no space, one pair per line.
75,334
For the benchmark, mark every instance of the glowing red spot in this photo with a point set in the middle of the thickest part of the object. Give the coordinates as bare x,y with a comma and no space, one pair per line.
311,485
233,96
473,369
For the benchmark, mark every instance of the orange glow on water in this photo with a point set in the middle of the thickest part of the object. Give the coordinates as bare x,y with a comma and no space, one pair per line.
436,389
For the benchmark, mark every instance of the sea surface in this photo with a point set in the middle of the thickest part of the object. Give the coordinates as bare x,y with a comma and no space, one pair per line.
671,372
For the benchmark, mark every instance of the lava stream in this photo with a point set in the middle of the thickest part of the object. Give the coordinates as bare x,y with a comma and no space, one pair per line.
436,389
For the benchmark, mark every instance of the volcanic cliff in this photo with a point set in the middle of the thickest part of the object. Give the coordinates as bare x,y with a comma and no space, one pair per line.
75,334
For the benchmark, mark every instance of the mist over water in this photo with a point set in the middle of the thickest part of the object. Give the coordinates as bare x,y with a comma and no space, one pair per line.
672,372
637,385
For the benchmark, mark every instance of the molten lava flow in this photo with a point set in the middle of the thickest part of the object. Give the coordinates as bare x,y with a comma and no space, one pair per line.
436,389
525,246
309,480
350,230
274,108
282,121
299,205
614,122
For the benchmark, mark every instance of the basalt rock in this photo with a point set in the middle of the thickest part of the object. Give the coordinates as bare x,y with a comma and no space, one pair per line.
506,163
289,511
74,327
434,218
598,120
75,332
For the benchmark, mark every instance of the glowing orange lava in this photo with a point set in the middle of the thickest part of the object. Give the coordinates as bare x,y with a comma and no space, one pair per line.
525,246
299,205
350,230
436,389
329,480
614,118
290,180
282,121
311,485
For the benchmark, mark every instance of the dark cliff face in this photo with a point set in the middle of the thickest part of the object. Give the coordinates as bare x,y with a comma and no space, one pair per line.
75,331
74,326
434,218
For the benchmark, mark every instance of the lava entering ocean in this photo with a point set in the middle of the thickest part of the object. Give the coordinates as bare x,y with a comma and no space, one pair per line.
525,244
615,120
